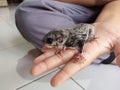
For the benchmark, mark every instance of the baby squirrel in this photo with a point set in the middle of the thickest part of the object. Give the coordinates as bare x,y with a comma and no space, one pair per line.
74,37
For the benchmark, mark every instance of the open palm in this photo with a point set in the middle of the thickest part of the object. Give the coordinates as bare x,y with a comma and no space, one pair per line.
107,40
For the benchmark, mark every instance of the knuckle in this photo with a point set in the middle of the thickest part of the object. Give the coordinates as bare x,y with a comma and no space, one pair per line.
45,55
42,66
46,65
72,52
68,54
65,72
60,56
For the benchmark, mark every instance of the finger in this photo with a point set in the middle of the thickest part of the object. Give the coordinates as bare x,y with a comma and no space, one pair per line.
44,56
117,52
45,49
71,67
52,62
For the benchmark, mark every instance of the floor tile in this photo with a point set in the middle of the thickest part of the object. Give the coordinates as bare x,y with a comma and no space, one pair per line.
9,62
9,37
15,64
5,13
8,14
44,84
99,77
12,9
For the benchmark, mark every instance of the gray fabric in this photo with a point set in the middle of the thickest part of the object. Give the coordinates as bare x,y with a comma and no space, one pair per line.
35,18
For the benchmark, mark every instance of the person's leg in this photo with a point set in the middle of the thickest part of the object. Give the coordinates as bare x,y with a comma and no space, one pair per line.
35,18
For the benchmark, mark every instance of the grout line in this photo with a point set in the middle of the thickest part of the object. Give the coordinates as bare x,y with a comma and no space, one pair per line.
35,80
75,82
78,83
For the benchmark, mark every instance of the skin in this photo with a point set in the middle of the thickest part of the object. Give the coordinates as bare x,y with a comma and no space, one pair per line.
106,28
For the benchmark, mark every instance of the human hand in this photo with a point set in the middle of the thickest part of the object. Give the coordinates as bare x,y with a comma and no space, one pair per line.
107,39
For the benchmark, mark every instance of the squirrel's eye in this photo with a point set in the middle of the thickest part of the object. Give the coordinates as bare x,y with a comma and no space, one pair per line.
49,40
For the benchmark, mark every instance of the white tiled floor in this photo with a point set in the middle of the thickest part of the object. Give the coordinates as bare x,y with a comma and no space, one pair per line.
16,57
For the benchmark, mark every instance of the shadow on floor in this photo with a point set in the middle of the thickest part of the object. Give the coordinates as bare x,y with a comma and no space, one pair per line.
25,63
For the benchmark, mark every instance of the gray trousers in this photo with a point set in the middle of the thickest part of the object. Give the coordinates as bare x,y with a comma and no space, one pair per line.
34,18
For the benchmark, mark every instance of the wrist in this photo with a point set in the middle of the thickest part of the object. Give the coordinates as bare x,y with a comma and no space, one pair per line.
110,13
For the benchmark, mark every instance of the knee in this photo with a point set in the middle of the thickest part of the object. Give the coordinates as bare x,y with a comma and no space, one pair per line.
26,23
34,19
21,19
